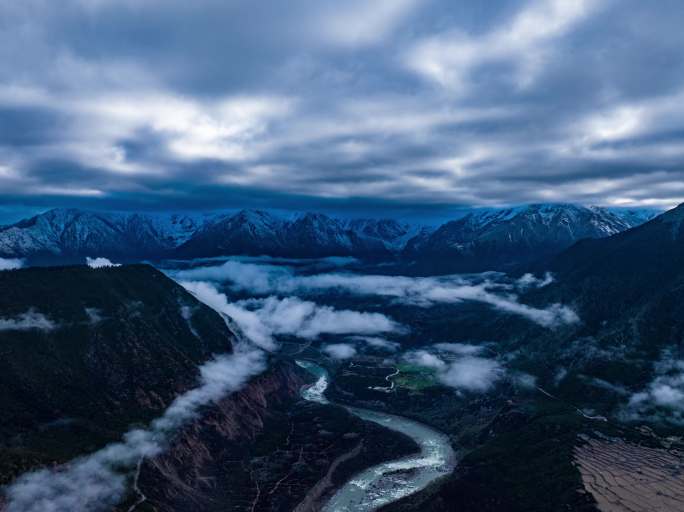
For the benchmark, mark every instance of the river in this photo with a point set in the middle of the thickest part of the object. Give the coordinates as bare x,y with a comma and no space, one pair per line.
389,481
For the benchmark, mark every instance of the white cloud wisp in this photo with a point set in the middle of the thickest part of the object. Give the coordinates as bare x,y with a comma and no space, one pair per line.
420,291
262,319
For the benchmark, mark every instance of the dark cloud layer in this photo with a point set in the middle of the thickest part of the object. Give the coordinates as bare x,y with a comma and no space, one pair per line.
396,105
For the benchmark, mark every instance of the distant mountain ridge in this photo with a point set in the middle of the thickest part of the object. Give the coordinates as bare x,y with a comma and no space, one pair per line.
306,235
481,240
68,233
499,239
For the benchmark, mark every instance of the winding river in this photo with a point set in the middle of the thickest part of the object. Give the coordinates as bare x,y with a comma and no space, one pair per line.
389,481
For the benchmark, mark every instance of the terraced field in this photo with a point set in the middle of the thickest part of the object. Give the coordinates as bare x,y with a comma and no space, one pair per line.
624,477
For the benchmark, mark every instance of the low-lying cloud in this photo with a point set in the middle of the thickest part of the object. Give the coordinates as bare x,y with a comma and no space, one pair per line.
472,374
663,398
99,481
11,263
465,373
31,320
339,350
426,359
378,342
100,263
528,281
262,319
420,291
462,349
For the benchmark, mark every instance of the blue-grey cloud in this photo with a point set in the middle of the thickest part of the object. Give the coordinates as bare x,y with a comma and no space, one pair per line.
10,263
31,320
395,103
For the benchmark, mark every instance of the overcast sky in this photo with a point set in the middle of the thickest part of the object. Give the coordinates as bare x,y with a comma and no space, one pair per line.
384,105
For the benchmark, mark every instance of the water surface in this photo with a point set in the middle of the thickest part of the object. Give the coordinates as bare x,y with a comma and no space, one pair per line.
388,481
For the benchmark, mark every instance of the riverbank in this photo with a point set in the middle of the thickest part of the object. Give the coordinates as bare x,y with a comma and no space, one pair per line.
388,481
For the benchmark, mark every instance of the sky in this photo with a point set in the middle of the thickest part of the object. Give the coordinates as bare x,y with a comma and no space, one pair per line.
399,106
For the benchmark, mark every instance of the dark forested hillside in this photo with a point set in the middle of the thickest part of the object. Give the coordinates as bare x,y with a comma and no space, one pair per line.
85,353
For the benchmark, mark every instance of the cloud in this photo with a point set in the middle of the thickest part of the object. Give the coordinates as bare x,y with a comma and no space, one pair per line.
248,321
99,481
472,374
256,278
462,349
525,41
608,386
379,343
524,380
31,320
560,376
421,291
662,400
531,281
439,103
339,350
361,23
466,373
100,263
10,263
187,312
94,315
426,359
262,319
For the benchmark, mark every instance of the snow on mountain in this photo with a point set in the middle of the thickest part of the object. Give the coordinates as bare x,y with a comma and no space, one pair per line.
487,236
72,233
391,233
252,232
498,238
635,216
256,232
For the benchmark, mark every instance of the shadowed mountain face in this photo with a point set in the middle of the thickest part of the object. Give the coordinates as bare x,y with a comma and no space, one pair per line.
310,235
482,240
502,239
608,277
86,352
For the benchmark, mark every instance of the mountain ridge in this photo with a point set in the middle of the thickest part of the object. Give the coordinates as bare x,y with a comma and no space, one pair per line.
463,244
502,239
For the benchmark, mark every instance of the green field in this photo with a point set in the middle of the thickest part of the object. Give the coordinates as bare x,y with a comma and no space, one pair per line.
414,377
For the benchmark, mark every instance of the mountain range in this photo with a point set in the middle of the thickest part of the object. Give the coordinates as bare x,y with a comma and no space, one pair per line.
89,354
500,239
483,239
